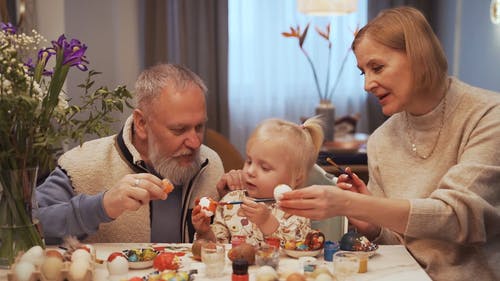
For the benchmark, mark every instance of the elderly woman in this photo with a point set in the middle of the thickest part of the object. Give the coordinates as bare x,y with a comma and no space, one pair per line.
434,164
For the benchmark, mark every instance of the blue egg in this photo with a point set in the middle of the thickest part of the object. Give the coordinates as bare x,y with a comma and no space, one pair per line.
133,257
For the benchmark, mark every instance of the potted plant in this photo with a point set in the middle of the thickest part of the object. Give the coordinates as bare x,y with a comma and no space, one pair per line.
36,119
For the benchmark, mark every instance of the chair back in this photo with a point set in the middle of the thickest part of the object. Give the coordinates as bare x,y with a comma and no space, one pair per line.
231,157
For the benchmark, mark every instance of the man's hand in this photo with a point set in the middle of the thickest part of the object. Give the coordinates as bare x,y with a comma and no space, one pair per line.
232,180
131,192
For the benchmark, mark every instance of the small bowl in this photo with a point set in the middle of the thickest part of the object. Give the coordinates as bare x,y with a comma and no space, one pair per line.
302,253
140,264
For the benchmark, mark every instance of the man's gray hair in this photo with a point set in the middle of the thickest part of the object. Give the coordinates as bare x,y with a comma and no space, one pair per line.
152,81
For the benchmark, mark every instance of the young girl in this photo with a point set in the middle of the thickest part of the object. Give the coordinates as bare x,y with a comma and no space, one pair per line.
278,152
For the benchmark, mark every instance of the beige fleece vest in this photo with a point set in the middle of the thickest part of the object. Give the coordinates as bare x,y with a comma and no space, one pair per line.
95,167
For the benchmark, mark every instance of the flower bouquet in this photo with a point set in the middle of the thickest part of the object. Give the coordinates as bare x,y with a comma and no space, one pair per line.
325,94
36,119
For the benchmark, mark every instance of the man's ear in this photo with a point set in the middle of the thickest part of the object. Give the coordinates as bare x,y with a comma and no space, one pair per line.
140,124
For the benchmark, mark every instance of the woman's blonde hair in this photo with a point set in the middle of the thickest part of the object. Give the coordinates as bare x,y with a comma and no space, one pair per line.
406,29
302,142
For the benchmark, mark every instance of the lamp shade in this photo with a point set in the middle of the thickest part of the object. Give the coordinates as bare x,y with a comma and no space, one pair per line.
326,7
495,11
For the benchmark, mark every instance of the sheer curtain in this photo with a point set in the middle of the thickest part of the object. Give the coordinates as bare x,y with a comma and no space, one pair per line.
270,77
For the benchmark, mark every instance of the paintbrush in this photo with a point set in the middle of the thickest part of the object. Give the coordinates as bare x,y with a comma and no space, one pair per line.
340,169
241,202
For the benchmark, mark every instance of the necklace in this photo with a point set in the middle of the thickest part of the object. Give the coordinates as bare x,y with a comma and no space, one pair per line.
411,134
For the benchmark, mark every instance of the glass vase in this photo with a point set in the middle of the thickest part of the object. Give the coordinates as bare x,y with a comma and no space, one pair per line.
327,111
19,231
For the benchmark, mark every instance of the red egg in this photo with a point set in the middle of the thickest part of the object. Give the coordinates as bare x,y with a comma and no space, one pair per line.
166,261
167,186
113,255
208,205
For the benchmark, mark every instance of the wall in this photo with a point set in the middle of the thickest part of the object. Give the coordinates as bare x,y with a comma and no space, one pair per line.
111,29
471,41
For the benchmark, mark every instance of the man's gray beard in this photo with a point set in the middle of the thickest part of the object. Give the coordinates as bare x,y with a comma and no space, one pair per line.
170,169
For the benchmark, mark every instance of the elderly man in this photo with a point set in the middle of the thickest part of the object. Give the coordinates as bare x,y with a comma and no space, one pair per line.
110,189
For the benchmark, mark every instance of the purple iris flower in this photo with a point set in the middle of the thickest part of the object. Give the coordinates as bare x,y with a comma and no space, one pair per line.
8,27
44,56
30,64
31,68
73,52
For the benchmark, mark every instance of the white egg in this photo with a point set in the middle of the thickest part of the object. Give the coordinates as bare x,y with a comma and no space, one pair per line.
34,255
279,190
51,267
78,269
118,266
207,206
81,254
23,270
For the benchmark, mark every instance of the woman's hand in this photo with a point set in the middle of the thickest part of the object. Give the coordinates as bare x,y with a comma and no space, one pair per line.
351,181
371,231
316,202
232,180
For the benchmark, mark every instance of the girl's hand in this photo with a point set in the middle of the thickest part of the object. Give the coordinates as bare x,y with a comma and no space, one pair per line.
257,213
232,180
201,223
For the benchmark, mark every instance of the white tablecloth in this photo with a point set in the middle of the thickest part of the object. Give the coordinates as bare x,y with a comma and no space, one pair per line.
389,263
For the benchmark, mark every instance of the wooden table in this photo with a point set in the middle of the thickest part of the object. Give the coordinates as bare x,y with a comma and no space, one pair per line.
389,263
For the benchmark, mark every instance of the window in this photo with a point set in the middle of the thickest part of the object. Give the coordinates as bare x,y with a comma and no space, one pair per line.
270,77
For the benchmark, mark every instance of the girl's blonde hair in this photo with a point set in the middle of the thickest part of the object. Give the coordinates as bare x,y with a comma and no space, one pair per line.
302,142
405,29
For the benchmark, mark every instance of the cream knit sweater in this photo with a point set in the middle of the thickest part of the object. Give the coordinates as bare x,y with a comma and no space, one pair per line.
454,225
